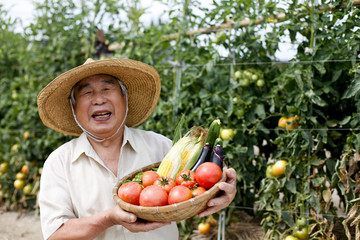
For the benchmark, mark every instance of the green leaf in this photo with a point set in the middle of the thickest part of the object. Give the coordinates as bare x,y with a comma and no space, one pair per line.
353,89
357,143
318,181
260,111
291,185
314,201
288,219
316,99
320,67
299,81
316,162
178,129
242,149
345,120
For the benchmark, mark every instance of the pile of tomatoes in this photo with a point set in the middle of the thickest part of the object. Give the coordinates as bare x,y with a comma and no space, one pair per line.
150,190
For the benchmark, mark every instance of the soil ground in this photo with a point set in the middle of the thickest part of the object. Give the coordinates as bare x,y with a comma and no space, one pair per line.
20,226
26,226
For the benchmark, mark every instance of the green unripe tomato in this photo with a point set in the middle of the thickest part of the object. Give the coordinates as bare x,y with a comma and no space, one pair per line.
227,134
237,75
302,232
27,189
14,95
300,221
248,74
291,238
244,82
4,167
269,171
254,77
260,83
240,112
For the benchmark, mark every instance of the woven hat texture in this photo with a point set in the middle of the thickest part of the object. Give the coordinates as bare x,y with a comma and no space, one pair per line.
141,80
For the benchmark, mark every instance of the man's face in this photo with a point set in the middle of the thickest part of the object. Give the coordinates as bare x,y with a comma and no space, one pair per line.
100,106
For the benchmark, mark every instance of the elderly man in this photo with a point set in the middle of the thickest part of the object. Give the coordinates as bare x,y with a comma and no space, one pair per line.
101,102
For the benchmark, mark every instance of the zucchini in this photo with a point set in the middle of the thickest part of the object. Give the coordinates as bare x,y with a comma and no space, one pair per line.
213,133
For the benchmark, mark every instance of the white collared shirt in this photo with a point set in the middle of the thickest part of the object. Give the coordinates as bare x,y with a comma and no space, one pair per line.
75,182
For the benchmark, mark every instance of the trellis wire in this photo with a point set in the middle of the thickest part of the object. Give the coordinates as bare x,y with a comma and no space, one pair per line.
40,130
283,211
233,63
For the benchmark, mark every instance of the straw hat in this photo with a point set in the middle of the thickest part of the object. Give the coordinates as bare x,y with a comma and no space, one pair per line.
141,80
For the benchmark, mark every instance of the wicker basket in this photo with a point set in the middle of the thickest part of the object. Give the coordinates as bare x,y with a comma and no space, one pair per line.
174,212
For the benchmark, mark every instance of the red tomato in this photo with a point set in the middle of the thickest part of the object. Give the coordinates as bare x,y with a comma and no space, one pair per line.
208,174
179,194
186,178
148,178
198,191
166,183
129,192
153,196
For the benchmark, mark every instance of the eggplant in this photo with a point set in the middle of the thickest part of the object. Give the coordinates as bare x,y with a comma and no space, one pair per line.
218,156
204,156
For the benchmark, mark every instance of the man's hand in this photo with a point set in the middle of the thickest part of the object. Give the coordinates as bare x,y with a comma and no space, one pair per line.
228,194
129,220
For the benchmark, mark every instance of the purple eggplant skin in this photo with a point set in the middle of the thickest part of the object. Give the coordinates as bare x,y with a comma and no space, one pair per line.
219,151
204,157
218,156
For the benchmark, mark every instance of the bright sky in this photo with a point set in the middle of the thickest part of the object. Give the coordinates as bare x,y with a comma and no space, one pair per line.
24,10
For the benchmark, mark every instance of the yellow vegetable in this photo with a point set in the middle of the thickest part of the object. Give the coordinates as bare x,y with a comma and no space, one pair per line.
183,153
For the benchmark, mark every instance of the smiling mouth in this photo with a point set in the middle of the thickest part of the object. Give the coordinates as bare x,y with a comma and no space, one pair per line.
101,115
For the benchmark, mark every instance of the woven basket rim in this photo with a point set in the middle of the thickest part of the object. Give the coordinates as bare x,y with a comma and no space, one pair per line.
210,193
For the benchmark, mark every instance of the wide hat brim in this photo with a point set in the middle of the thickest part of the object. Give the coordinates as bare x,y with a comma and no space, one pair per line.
141,80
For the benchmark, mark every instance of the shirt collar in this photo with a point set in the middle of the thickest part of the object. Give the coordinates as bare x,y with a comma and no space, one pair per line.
83,145
129,138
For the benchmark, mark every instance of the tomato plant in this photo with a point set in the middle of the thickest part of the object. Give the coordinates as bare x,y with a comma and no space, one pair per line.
208,174
3,167
292,123
207,75
204,227
278,169
282,122
25,169
291,238
186,178
227,134
19,184
301,221
20,175
301,232
130,192
179,194
269,173
153,196
28,189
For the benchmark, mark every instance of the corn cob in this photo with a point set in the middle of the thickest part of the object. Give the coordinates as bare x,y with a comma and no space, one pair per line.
184,152
193,155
